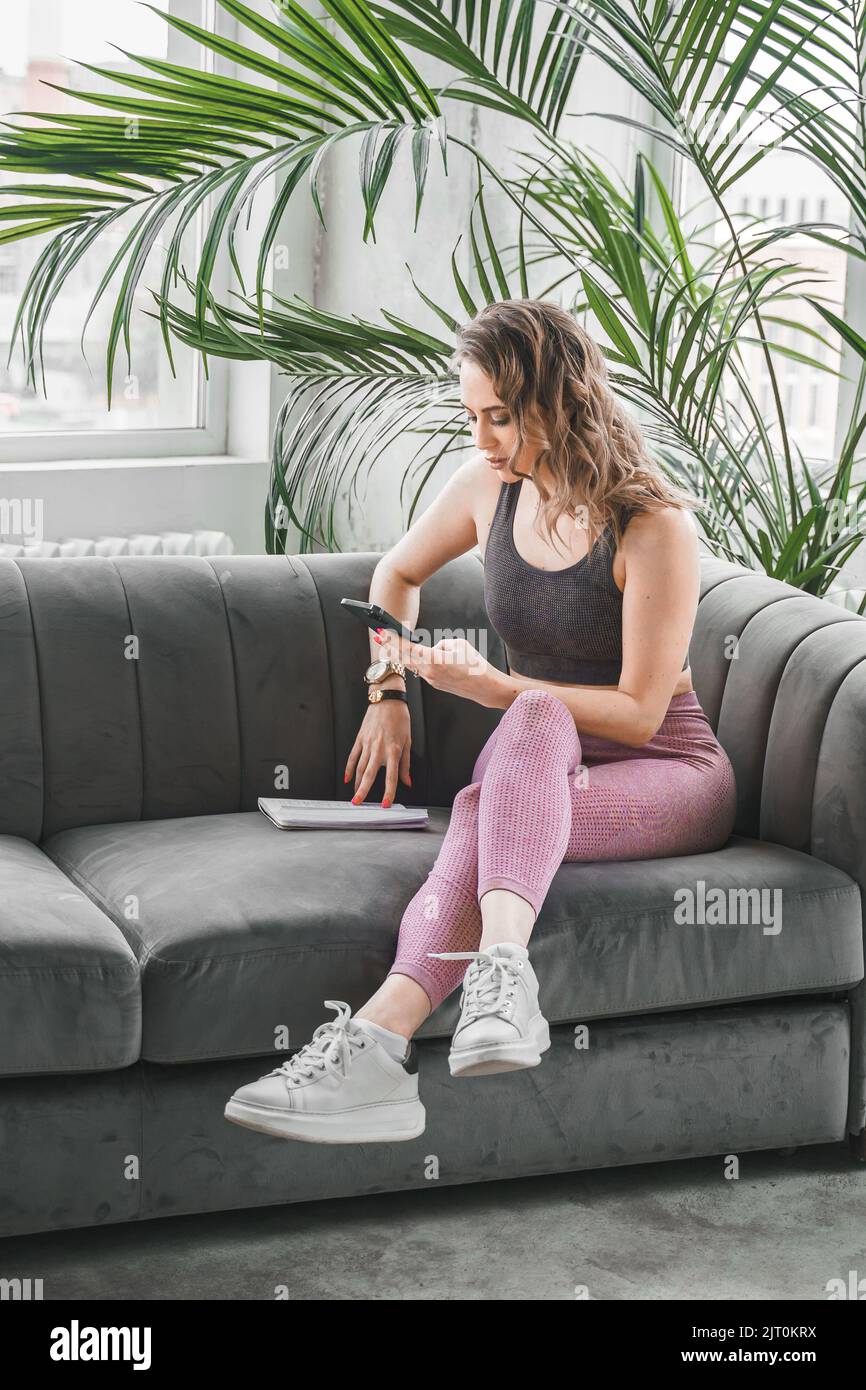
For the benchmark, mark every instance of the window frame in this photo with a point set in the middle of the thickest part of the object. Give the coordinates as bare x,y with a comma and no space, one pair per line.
853,299
209,436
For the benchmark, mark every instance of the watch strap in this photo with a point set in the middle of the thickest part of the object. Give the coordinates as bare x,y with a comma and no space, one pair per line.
376,694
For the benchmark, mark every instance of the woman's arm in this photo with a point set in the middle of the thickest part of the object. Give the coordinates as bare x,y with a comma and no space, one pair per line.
660,599
445,530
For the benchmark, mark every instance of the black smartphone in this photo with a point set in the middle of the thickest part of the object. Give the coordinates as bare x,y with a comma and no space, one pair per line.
374,616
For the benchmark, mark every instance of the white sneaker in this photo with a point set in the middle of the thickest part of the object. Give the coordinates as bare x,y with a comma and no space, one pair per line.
501,1027
342,1087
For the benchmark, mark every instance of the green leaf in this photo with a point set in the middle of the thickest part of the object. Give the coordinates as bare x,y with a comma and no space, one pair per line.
603,308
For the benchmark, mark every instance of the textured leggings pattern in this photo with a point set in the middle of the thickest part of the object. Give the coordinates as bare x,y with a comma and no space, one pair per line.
542,795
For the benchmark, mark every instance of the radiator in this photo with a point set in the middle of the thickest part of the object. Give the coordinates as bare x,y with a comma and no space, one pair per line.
169,543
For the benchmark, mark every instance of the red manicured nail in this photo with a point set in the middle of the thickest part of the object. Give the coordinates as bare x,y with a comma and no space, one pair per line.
377,639
378,629
386,802
354,801
345,778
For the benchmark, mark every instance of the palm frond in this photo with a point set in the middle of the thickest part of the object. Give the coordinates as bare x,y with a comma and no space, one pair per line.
506,59
214,139
209,138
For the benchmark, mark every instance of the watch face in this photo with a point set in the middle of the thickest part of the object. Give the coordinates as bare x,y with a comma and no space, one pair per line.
376,671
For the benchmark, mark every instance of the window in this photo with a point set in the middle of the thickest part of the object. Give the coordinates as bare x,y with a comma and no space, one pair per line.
8,271
810,397
153,412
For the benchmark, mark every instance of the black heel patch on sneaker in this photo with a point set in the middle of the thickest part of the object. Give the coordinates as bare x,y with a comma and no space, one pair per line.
410,1063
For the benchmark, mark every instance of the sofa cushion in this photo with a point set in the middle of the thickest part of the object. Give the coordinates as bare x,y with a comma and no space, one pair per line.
70,998
242,930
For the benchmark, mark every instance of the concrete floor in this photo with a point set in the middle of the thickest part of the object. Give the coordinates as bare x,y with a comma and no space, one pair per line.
664,1231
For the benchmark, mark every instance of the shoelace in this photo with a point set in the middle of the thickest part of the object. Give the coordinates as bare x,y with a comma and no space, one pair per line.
329,1049
489,983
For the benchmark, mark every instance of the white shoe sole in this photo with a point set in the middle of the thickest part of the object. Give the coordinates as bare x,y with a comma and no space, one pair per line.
388,1124
496,1057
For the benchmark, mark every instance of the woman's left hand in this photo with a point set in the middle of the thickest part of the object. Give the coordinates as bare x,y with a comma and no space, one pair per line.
453,665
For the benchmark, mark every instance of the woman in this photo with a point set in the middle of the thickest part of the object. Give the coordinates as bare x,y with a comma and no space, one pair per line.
591,578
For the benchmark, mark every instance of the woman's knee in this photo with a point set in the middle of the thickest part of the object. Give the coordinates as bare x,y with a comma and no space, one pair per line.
538,704
465,804
537,711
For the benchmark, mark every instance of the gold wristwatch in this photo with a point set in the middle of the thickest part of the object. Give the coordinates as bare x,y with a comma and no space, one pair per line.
382,668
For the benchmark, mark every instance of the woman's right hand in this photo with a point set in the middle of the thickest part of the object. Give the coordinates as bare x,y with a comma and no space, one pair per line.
384,740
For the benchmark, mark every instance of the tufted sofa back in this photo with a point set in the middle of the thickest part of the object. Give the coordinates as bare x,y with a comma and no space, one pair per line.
154,686
782,677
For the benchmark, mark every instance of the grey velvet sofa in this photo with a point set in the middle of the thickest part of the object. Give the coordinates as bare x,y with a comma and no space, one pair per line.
156,933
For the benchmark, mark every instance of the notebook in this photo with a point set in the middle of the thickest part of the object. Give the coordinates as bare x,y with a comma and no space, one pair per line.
296,813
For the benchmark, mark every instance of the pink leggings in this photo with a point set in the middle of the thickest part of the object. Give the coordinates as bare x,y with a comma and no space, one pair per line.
542,795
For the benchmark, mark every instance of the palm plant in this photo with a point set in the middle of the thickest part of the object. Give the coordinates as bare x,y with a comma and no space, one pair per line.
681,297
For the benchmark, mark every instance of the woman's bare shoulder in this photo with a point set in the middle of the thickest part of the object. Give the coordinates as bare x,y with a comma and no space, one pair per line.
659,547
478,483
483,485
665,526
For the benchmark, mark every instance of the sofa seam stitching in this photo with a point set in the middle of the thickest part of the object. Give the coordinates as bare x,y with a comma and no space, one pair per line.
37,663
141,1061
98,900
823,734
555,1022
842,980
324,631
233,654
561,922
770,603
141,1126
133,633
559,926
85,973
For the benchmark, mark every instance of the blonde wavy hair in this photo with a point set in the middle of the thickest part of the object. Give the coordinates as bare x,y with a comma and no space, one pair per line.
553,379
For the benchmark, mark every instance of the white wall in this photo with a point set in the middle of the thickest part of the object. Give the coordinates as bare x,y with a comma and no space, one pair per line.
353,278
123,497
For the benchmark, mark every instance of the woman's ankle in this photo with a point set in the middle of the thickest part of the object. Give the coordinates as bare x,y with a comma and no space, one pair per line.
385,1018
400,1005
505,916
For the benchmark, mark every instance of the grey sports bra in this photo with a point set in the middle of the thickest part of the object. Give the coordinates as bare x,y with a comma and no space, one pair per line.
562,625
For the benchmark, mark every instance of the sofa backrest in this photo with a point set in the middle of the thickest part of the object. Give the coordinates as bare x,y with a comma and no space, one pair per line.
155,686
782,677
245,665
